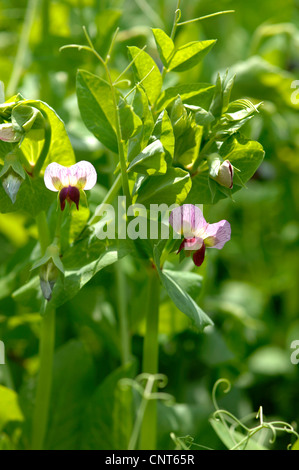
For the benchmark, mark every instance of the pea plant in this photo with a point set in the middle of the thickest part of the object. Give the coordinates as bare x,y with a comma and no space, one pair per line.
178,148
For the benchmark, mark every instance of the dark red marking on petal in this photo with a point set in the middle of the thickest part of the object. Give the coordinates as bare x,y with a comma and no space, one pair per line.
199,255
74,195
62,197
69,194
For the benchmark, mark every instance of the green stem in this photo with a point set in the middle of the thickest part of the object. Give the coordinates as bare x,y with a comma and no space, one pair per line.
121,153
202,153
43,231
46,353
177,15
148,436
205,17
122,312
22,47
120,141
43,393
58,227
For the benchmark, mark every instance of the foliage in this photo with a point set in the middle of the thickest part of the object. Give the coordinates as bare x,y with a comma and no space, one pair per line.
149,109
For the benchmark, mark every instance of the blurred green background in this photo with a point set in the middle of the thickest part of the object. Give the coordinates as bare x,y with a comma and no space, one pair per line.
251,289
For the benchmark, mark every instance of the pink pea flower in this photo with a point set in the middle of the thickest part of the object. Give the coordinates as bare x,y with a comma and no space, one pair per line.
189,221
69,180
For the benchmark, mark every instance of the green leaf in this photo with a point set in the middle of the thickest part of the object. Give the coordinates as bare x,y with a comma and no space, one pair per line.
180,297
9,410
97,108
171,188
243,153
164,44
130,122
151,161
81,262
32,198
189,55
231,438
227,92
190,282
61,150
179,117
99,427
142,109
196,94
270,361
164,132
295,446
217,103
73,383
144,65
26,117
203,117
5,148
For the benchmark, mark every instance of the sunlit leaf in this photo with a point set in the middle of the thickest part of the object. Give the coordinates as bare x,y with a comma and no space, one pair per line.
146,70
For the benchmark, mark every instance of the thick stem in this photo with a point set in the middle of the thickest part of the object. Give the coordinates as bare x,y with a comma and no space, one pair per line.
123,314
46,352
148,436
43,393
43,231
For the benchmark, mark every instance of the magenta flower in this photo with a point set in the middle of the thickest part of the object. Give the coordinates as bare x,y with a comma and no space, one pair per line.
189,221
70,180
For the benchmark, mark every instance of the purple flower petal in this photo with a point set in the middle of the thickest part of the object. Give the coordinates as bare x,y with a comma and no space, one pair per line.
187,220
216,235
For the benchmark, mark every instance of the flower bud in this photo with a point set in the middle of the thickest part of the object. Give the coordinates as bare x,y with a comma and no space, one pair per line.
9,134
221,171
48,276
11,183
12,175
50,266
